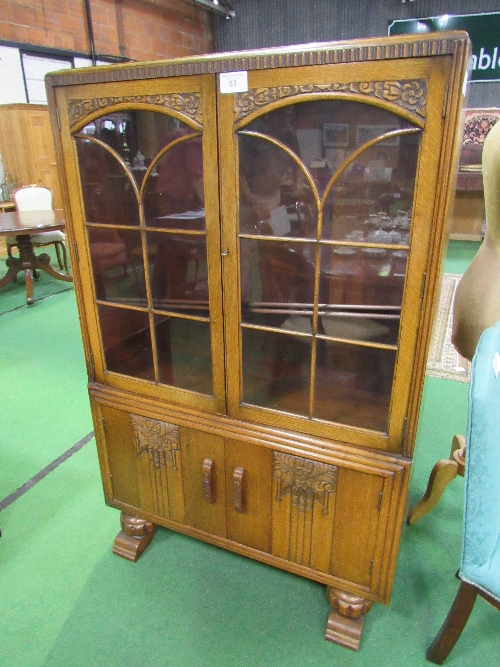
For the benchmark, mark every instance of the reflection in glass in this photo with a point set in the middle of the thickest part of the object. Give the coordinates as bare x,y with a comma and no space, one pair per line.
184,355
276,277
353,385
108,195
126,184
269,196
175,196
368,276
136,135
178,272
324,134
126,341
276,370
375,192
116,257
355,325
323,194
361,292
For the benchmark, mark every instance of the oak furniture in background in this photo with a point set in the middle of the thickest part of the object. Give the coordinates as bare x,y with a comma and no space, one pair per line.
27,147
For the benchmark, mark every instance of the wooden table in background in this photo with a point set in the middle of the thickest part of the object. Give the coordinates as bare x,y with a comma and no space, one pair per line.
22,225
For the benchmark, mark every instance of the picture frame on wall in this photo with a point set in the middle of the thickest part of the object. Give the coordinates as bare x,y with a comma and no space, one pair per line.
336,135
365,133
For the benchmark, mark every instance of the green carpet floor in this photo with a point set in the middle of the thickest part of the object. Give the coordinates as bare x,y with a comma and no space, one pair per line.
66,600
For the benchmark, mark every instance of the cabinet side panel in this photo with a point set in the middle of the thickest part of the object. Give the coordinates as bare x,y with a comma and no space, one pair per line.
248,490
120,451
204,481
356,525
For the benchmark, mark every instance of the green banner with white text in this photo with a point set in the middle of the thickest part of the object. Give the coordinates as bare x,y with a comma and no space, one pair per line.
484,33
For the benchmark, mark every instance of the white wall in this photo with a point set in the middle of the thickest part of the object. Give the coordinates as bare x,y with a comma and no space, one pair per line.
11,76
12,89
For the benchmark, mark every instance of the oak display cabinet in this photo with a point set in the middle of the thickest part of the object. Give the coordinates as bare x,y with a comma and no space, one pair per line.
256,361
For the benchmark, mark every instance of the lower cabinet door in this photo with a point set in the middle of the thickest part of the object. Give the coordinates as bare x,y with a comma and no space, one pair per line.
227,488
248,493
204,481
303,510
141,462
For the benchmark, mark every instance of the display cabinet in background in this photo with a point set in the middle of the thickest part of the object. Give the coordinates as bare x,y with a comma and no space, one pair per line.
257,240
467,220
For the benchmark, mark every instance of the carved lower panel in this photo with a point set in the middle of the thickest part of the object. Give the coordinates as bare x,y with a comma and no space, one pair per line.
303,510
158,447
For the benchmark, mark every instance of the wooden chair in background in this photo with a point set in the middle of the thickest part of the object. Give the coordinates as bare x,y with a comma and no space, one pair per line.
480,564
476,335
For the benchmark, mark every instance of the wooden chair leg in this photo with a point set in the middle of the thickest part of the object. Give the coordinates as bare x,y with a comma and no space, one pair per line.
65,257
454,623
441,475
57,246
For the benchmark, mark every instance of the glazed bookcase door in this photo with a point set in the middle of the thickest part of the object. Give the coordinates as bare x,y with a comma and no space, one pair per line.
329,232
141,178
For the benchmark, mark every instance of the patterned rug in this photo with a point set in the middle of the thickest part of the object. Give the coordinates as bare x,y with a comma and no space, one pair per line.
443,360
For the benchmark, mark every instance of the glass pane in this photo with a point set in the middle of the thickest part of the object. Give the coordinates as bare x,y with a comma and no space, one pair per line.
353,385
116,257
324,134
178,272
361,291
173,196
184,355
374,193
137,136
126,341
108,195
276,370
277,278
275,197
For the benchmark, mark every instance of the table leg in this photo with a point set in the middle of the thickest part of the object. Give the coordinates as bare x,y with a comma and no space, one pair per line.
13,269
42,262
29,263
28,277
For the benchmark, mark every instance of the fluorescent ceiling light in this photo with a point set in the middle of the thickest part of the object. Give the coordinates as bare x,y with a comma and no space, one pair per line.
223,7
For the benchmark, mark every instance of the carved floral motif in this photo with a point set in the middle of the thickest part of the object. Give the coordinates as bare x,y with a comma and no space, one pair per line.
160,440
410,95
305,480
188,104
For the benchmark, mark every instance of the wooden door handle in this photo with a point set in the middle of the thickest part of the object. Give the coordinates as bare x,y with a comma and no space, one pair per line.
208,472
239,500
